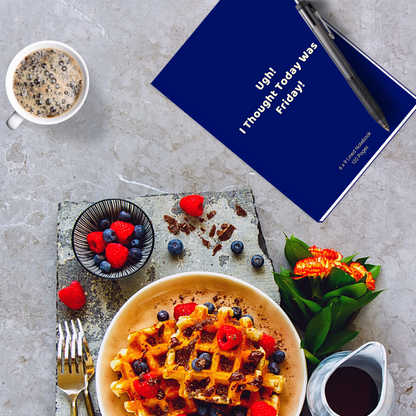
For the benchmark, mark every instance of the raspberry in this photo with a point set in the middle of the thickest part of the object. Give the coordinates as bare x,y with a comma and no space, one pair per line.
192,205
262,409
148,386
73,295
116,255
124,231
268,343
183,309
96,241
228,337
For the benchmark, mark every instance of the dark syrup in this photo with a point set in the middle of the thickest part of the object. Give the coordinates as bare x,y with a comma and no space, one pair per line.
351,391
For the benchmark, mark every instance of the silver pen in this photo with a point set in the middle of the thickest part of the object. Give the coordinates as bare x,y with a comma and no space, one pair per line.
325,37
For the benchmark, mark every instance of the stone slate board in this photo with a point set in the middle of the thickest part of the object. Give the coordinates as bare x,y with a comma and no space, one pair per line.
105,297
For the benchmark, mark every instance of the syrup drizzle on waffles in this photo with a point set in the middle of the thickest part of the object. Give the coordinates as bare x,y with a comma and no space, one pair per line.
236,377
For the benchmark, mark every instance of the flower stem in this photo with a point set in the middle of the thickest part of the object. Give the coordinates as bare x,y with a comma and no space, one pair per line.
316,288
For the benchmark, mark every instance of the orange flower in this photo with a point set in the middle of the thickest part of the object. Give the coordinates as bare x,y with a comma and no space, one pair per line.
344,268
328,253
312,266
358,271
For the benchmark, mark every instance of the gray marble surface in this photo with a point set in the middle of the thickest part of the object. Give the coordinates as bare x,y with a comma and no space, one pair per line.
129,140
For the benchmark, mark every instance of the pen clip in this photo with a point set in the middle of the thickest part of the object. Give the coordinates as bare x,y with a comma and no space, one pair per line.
331,35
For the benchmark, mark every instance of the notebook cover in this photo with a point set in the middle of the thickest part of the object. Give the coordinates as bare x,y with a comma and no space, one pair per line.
255,77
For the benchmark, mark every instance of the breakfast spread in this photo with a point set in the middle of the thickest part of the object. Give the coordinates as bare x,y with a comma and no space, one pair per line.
204,361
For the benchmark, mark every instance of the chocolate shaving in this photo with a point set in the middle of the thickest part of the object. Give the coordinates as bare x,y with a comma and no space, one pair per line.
256,382
209,392
240,211
226,233
170,220
217,248
185,228
205,242
211,214
174,342
255,358
212,231
236,376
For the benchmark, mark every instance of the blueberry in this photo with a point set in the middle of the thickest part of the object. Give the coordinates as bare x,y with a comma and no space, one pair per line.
273,368
124,216
105,266
162,315
175,246
135,254
140,366
135,243
237,247
278,356
105,223
203,409
98,258
257,261
248,316
197,364
237,312
138,231
210,306
109,235
207,358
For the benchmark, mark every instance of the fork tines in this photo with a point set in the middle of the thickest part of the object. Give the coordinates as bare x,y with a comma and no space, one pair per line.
72,350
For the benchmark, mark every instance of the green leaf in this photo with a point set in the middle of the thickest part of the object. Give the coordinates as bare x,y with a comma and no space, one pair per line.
349,259
288,286
293,311
353,291
285,272
313,306
373,269
311,358
335,341
296,250
318,329
337,278
361,260
342,308
367,298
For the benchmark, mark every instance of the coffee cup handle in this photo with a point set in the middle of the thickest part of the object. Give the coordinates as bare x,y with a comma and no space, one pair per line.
14,121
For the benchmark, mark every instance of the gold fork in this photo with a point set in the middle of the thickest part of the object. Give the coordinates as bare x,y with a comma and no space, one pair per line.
89,369
71,377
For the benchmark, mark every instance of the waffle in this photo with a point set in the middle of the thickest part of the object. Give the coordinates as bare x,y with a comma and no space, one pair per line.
150,344
233,374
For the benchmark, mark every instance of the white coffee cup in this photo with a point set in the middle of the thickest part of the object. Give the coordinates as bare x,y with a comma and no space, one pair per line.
20,113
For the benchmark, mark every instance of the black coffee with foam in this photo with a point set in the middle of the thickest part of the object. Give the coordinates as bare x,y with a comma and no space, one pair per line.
47,82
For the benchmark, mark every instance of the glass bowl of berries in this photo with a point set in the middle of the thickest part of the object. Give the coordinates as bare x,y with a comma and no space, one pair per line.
113,238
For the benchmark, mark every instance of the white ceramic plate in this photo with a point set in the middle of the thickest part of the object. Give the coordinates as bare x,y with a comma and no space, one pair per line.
141,309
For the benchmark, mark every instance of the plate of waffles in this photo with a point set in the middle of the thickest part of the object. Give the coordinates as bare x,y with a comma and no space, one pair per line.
215,354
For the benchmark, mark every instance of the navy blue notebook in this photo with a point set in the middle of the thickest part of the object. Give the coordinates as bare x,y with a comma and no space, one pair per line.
255,77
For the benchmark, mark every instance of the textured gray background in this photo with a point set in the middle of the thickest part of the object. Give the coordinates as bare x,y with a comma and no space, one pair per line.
129,140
